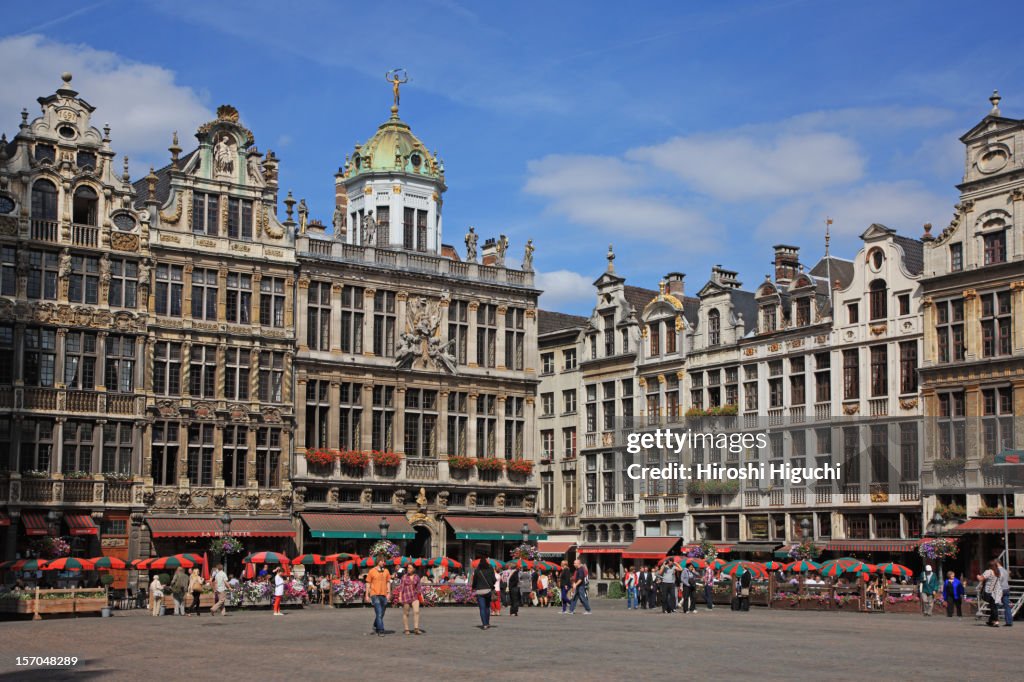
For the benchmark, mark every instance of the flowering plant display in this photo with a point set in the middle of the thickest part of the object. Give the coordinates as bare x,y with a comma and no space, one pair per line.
705,550
385,458
52,547
460,463
520,466
225,545
294,591
526,551
463,594
717,411
77,475
117,475
354,459
320,457
805,550
35,473
939,548
490,464
385,548
349,591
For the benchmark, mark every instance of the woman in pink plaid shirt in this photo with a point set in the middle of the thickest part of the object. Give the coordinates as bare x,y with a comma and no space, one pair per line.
410,595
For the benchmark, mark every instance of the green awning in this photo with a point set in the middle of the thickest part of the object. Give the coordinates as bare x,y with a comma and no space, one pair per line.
507,528
357,526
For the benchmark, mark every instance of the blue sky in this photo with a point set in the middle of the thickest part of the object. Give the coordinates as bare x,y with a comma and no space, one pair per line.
687,134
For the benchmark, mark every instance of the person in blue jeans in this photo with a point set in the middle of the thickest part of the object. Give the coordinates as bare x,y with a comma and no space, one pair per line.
629,580
565,585
580,583
378,590
484,579
1004,583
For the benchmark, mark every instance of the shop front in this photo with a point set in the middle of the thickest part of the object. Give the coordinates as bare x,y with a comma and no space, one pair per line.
471,536
330,533
206,535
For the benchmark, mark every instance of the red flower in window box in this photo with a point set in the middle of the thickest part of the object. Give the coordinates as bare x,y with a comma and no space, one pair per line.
460,463
520,466
490,464
354,459
385,458
320,457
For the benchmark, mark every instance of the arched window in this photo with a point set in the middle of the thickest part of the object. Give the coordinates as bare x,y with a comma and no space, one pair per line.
714,328
877,295
44,200
84,209
591,533
627,533
615,534
603,530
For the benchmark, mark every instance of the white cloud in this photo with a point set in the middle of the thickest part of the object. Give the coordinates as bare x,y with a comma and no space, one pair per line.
565,290
735,167
142,102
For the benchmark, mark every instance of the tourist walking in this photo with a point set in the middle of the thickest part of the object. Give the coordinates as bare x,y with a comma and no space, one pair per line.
667,579
410,596
512,589
500,594
565,585
629,582
278,590
709,586
179,586
195,586
378,591
525,588
220,590
542,588
484,579
689,580
953,594
744,591
991,592
580,585
156,594
1004,585
928,587
645,586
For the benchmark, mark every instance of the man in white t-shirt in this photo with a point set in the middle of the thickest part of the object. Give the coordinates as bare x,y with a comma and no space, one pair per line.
220,590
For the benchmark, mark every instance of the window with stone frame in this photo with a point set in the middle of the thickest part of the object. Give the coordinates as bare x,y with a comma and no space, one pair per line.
421,230
383,418
569,359
36,449
547,493
204,294
569,401
486,334
167,368
119,370
80,355
199,461
547,363
775,392
851,375
268,457
903,301
852,313
351,340
486,426
803,311
6,355
84,280
167,293
878,296
879,453
238,304
654,338
997,419
769,318
240,220
350,407
384,321
383,218
118,445
458,419
205,213
608,405
624,339
547,404
569,442
908,367
272,298
949,328
857,526
822,377
608,332
235,452
124,283
995,247
797,381
318,411
515,338
236,373
164,452
879,371
203,371
271,377
956,257
76,453
851,455
43,269
40,356
44,197
8,271
750,396
515,428
318,316
670,336
952,425
714,328
547,443
996,324
420,423
910,466
458,330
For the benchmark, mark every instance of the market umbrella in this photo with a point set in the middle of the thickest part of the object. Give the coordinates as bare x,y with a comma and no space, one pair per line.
28,565
109,562
341,556
440,561
717,564
898,570
738,568
141,564
803,566
495,563
545,566
694,562
309,560
170,562
206,568
267,558
521,564
68,563
400,561
837,567
773,565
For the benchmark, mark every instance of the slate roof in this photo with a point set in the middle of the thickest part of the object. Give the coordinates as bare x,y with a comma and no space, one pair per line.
550,321
841,269
163,182
913,254
638,297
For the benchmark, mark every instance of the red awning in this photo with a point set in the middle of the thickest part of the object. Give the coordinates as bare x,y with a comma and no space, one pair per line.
81,524
185,527
990,525
35,523
872,545
262,528
601,549
5,520
650,548
554,547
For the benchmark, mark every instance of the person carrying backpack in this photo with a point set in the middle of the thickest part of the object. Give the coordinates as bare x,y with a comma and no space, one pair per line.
580,585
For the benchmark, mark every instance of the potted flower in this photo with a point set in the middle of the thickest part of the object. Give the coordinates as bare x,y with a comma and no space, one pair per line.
320,458
354,460
937,549
806,550
523,467
705,550
526,551
225,545
117,476
77,475
949,468
35,473
460,463
490,464
385,549
385,459
52,547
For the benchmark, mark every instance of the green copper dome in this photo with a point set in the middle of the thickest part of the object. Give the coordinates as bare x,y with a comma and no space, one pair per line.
393,148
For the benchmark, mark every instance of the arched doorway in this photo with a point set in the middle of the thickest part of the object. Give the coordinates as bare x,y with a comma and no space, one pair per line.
420,545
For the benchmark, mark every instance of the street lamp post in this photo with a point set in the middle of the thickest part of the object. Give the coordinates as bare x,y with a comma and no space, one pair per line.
525,530
702,528
225,522
805,528
936,526
383,526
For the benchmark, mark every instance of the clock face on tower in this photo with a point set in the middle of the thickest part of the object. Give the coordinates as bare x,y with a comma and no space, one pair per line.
6,204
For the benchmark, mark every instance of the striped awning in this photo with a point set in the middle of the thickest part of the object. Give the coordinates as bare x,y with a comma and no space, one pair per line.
554,547
262,528
35,523
508,528
185,527
357,526
651,547
992,525
872,545
81,524
602,549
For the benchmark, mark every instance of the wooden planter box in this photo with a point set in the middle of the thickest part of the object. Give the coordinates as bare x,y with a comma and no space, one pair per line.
69,604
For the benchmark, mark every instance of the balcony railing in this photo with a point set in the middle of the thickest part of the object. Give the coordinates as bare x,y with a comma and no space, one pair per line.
910,492
40,399
421,470
85,235
73,490
823,412
79,491
82,401
44,230
37,491
878,407
851,494
121,404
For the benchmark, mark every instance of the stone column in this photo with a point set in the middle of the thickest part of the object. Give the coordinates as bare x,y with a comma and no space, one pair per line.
58,372
442,422
398,431
219,372
186,291
182,466
474,307
368,311
286,380
301,328
186,368
222,292
250,458
100,378
499,427
254,377
366,420
300,417
471,426
972,325
499,346
289,304
254,301
57,458
336,289
334,400
218,454
531,353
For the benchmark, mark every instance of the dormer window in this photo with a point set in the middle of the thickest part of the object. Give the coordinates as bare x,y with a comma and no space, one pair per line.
670,337
609,335
803,312
995,248
714,328
956,257
769,318
877,297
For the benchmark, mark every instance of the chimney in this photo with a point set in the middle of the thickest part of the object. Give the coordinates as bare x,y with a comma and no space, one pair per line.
787,263
725,278
674,283
489,254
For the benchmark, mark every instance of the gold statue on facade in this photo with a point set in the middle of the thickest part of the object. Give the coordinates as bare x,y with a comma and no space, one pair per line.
397,78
